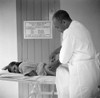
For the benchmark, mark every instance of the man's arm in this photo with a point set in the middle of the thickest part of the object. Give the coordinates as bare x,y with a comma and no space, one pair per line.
54,53
57,50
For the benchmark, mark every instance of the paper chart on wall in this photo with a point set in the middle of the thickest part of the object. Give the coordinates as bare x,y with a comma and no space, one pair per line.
37,30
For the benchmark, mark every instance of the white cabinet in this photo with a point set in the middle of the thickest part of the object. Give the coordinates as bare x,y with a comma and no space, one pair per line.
8,89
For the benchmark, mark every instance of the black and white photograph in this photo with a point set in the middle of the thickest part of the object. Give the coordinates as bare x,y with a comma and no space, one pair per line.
49,48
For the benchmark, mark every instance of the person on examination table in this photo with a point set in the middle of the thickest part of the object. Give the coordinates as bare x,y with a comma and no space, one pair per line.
78,76
33,69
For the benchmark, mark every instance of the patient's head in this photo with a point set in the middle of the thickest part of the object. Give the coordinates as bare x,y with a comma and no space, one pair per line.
13,67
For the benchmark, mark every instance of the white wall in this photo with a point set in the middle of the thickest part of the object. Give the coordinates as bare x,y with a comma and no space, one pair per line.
87,12
8,33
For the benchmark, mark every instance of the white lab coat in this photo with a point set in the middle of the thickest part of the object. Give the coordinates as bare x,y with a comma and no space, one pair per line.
79,56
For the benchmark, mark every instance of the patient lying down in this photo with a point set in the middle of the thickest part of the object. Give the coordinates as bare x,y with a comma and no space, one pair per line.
31,69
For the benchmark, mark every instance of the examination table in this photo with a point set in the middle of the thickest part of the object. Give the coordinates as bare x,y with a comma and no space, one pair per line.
27,87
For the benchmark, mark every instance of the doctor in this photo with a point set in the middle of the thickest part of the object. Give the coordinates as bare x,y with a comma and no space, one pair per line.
78,75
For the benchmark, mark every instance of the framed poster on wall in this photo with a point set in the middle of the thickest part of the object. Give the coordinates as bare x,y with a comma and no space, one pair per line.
37,29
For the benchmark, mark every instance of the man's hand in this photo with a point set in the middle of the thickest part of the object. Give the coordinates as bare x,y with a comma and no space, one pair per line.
53,66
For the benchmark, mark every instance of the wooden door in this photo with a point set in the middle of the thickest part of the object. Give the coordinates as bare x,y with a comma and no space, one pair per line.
36,50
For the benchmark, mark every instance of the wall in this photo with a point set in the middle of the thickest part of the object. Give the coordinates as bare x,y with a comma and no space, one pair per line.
87,12
36,50
8,35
